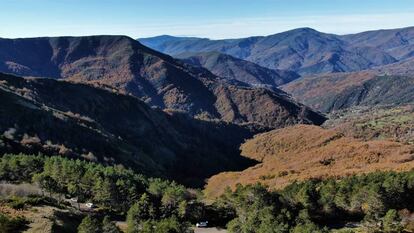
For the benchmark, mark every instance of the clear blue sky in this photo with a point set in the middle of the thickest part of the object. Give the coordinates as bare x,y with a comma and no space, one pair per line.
202,18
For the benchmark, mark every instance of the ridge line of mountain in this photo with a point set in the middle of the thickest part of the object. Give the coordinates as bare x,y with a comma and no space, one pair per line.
303,50
124,64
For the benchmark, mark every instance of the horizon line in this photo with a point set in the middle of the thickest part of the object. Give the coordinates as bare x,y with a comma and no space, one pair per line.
213,39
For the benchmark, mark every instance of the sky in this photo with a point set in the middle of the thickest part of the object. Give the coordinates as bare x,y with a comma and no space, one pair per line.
215,19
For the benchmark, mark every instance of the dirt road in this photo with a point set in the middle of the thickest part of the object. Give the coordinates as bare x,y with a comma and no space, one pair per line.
209,230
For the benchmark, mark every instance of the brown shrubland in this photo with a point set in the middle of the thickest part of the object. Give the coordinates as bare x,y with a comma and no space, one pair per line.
303,151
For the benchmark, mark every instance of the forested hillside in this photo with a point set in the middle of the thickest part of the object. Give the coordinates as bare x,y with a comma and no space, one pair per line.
79,121
379,202
123,64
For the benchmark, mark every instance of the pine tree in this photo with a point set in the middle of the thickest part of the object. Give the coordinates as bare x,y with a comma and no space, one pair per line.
108,226
89,225
140,211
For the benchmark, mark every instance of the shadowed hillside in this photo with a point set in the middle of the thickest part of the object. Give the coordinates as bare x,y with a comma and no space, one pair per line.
76,120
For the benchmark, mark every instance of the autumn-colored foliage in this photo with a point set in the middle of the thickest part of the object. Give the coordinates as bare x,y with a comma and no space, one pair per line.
301,152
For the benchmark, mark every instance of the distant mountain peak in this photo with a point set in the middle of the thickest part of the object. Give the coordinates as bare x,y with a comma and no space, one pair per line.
306,50
302,30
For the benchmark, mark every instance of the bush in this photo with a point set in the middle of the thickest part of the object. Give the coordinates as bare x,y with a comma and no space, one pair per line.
23,202
108,226
391,222
11,225
20,190
308,228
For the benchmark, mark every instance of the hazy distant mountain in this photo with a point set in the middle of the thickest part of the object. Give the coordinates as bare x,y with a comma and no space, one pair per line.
303,50
123,63
160,41
398,43
229,67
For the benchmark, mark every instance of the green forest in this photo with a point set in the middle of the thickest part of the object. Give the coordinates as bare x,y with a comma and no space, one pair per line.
378,202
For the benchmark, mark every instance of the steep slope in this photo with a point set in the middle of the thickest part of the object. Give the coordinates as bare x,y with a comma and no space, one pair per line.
229,67
384,85
122,63
77,120
303,50
302,152
381,90
116,61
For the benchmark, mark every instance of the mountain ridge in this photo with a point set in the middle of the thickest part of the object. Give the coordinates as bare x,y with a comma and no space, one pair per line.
160,80
229,67
303,50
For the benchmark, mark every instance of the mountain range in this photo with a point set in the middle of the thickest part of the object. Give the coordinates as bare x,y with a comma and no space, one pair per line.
303,50
121,63
113,100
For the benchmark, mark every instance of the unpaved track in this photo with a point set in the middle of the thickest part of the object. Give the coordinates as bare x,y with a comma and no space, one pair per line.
209,230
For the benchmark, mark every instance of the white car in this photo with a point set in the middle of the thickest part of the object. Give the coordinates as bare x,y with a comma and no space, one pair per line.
202,224
90,205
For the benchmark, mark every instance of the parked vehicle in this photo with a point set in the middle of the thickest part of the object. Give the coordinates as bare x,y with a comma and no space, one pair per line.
202,224
90,205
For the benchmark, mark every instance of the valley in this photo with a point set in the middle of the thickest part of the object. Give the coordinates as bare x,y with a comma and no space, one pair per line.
110,128
300,131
